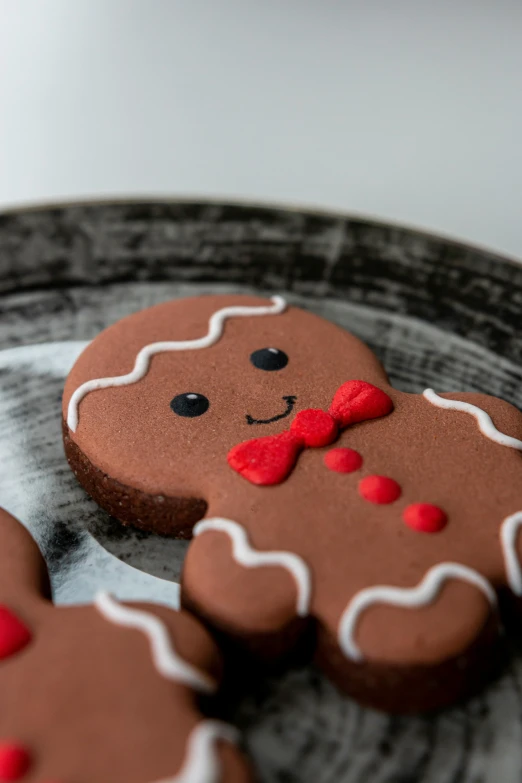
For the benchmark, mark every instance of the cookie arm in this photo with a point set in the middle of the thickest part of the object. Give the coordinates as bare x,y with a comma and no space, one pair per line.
23,573
496,419
500,422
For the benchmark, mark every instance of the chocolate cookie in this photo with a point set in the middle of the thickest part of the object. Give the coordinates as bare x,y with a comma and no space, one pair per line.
323,497
103,692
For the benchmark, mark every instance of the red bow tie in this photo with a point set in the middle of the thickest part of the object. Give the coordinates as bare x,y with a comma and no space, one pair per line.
270,460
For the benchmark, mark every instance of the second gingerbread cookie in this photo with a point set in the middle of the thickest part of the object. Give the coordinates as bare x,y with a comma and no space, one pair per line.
316,492
106,692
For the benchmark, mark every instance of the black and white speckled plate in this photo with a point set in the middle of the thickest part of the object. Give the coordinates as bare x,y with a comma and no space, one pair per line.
438,314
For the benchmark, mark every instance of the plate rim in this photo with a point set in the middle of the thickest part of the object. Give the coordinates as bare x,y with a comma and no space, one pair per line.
297,208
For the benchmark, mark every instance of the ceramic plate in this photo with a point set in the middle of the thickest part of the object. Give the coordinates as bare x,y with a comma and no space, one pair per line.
439,314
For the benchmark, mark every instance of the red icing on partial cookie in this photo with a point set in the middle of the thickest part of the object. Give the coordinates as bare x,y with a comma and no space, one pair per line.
14,761
425,518
379,489
315,428
359,401
343,460
14,635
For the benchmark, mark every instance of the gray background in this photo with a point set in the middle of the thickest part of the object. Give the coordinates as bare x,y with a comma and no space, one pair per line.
404,109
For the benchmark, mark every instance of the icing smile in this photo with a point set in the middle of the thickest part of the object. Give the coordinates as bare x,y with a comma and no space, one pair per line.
290,402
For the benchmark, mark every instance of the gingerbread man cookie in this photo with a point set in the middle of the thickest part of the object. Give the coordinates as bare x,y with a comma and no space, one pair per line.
319,497
105,692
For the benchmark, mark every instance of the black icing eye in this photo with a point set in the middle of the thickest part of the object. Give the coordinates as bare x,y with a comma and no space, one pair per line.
189,404
269,359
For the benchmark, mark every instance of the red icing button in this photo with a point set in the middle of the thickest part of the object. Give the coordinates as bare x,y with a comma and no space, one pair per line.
343,460
13,633
314,427
379,489
425,518
14,761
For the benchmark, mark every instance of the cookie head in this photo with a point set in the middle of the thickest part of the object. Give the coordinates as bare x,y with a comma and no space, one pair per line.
157,401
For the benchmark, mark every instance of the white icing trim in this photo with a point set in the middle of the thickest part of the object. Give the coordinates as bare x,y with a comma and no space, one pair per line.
201,763
508,538
166,660
484,421
249,557
420,595
141,365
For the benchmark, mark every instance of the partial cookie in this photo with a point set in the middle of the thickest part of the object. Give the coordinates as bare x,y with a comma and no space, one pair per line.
103,692
323,497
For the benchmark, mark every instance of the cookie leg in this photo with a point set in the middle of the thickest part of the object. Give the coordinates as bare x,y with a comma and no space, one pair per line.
413,658
258,599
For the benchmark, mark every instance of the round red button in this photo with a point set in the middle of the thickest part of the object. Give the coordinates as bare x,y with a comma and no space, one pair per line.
379,489
343,460
425,518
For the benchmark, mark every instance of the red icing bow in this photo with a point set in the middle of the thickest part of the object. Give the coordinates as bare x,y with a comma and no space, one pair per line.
270,460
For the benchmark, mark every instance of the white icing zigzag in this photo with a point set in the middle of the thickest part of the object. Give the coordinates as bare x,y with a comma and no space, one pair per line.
165,658
141,365
201,764
508,538
420,595
484,421
251,558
